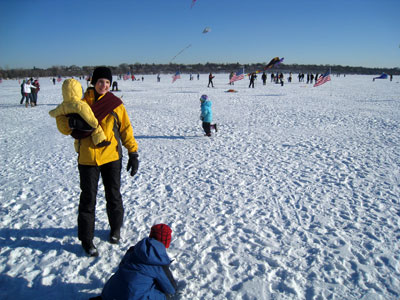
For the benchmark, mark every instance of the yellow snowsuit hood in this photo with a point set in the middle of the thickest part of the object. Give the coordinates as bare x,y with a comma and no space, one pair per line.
73,104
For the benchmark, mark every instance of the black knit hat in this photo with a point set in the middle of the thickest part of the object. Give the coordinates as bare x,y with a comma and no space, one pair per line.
101,72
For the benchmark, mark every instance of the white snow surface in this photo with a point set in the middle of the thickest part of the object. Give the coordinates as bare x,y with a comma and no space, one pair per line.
297,195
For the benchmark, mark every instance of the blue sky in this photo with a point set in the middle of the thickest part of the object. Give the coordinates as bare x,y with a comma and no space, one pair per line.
46,33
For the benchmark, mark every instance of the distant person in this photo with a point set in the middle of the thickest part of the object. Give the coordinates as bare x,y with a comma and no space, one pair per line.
22,92
206,115
28,92
252,79
54,81
35,91
210,80
231,74
115,86
264,78
281,79
158,78
143,272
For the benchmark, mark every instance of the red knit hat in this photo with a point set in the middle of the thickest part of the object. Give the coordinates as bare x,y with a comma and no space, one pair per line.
162,233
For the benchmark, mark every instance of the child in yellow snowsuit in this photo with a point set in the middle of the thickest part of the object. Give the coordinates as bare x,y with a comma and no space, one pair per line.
72,104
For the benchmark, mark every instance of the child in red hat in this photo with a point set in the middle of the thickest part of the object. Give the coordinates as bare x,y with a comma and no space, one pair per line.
144,270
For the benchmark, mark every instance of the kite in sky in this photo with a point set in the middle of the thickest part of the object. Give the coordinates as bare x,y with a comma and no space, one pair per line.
207,29
274,62
193,3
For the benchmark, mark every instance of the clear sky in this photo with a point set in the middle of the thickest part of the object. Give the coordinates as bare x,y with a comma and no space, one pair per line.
45,33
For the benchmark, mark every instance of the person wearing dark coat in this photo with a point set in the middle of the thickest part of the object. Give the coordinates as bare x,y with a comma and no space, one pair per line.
264,78
144,270
252,79
210,80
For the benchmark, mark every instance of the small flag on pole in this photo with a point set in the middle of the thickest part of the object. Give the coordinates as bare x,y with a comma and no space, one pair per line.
323,78
237,76
176,76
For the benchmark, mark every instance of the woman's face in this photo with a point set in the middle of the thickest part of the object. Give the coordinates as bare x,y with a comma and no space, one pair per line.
102,86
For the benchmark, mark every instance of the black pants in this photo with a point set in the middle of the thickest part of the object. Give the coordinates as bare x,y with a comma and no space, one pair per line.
207,127
89,176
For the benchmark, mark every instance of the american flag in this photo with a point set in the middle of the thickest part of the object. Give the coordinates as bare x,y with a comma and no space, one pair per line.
237,76
323,78
176,76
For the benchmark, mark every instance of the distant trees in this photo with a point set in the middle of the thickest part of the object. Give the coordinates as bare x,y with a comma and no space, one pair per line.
171,68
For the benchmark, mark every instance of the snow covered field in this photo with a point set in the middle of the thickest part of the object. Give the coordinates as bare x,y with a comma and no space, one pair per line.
296,197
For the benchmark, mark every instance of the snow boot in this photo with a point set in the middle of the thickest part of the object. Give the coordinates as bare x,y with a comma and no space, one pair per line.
90,249
115,237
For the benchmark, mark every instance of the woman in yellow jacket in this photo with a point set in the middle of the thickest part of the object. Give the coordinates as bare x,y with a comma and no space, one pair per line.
106,161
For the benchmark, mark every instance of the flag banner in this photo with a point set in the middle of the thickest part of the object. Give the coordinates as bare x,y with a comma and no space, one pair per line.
323,78
176,76
237,76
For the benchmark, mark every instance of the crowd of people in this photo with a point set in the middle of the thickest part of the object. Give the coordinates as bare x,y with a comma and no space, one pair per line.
100,125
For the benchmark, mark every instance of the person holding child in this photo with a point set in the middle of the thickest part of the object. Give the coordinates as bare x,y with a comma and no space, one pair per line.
143,272
104,160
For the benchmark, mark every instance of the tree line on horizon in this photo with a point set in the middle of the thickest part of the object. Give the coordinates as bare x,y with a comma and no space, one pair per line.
172,68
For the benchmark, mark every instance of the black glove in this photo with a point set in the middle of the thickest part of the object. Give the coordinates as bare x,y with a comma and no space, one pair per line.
133,163
75,121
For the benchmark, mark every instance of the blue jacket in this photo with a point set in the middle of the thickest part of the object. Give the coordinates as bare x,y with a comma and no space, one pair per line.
142,274
206,113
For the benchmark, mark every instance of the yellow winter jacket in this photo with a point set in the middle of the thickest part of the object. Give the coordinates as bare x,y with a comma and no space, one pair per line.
117,129
72,103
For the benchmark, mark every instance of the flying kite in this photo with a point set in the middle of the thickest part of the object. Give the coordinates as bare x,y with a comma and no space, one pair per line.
207,29
193,3
274,62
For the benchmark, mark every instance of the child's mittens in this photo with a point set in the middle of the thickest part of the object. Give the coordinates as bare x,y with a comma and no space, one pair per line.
75,121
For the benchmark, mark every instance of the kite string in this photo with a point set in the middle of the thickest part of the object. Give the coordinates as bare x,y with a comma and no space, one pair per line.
188,46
